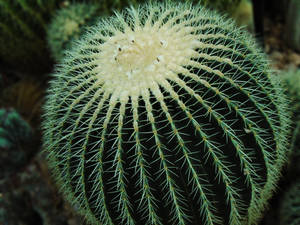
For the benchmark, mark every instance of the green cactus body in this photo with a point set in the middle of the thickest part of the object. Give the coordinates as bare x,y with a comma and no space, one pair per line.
290,205
166,114
68,24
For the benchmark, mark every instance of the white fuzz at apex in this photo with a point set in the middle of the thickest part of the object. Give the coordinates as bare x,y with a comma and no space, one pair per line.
144,51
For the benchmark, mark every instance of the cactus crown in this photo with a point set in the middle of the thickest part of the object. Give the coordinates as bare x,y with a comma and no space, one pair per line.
166,114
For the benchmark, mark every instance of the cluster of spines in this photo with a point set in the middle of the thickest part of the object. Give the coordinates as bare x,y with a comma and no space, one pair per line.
73,111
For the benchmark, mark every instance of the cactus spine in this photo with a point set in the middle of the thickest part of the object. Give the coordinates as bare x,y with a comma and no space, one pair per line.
166,114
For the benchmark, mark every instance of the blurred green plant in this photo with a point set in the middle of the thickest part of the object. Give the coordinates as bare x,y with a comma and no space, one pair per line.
22,31
243,14
290,205
26,96
16,140
23,25
291,80
68,24
292,26
227,6
13,128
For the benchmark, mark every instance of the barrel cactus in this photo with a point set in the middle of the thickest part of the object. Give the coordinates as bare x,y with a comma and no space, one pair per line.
166,114
290,205
68,24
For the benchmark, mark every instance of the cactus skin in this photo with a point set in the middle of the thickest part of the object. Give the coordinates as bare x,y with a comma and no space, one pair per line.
166,114
290,205
68,24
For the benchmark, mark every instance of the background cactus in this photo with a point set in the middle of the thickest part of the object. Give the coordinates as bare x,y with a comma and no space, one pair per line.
221,5
23,25
292,30
291,80
22,31
166,114
68,24
14,130
290,205
15,136
26,97
243,15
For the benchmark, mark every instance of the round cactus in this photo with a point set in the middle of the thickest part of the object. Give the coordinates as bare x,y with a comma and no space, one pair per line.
290,205
166,114
68,24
